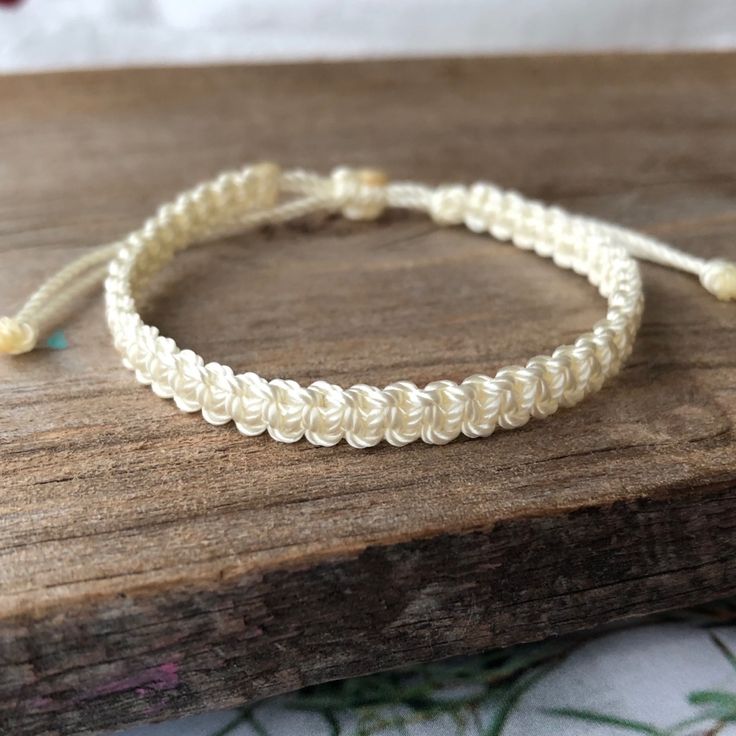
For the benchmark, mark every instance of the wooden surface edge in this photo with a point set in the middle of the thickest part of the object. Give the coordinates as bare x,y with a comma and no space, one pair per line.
222,572
189,649
445,58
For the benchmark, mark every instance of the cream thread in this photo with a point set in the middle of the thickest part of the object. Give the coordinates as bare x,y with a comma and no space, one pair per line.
364,415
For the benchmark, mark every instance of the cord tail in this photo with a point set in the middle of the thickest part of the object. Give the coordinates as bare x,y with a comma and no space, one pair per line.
448,205
19,334
717,275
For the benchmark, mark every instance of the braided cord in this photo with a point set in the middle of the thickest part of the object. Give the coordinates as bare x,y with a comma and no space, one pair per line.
363,415
401,412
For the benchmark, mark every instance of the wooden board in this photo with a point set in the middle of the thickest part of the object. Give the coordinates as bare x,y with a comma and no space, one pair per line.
153,565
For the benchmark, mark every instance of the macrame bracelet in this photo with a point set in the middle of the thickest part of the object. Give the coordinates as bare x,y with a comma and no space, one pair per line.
364,415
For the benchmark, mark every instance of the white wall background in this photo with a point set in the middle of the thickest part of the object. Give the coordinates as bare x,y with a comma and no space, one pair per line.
47,34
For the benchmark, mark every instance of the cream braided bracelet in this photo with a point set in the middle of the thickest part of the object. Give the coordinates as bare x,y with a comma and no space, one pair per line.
364,415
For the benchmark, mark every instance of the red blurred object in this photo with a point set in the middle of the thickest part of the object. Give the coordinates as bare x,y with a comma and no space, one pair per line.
10,2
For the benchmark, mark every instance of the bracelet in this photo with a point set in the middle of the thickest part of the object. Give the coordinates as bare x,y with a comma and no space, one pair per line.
364,415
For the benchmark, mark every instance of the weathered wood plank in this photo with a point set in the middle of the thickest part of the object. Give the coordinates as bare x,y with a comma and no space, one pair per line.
151,564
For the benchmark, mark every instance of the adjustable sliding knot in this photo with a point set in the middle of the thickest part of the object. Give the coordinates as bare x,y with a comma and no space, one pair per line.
361,193
719,278
16,337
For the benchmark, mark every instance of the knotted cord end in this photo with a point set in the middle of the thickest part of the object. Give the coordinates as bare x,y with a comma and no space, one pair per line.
718,276
17,337
360,192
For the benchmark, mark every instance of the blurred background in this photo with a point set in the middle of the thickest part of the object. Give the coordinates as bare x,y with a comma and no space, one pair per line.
50,34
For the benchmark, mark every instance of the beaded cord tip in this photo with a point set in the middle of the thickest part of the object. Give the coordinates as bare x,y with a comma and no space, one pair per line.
17,337
719,278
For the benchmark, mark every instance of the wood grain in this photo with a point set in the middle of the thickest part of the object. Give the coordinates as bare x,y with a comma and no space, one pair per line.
153,565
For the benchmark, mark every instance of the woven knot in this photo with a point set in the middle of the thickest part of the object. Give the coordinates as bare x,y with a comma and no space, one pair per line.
719,277
361,193
16,337
448,204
